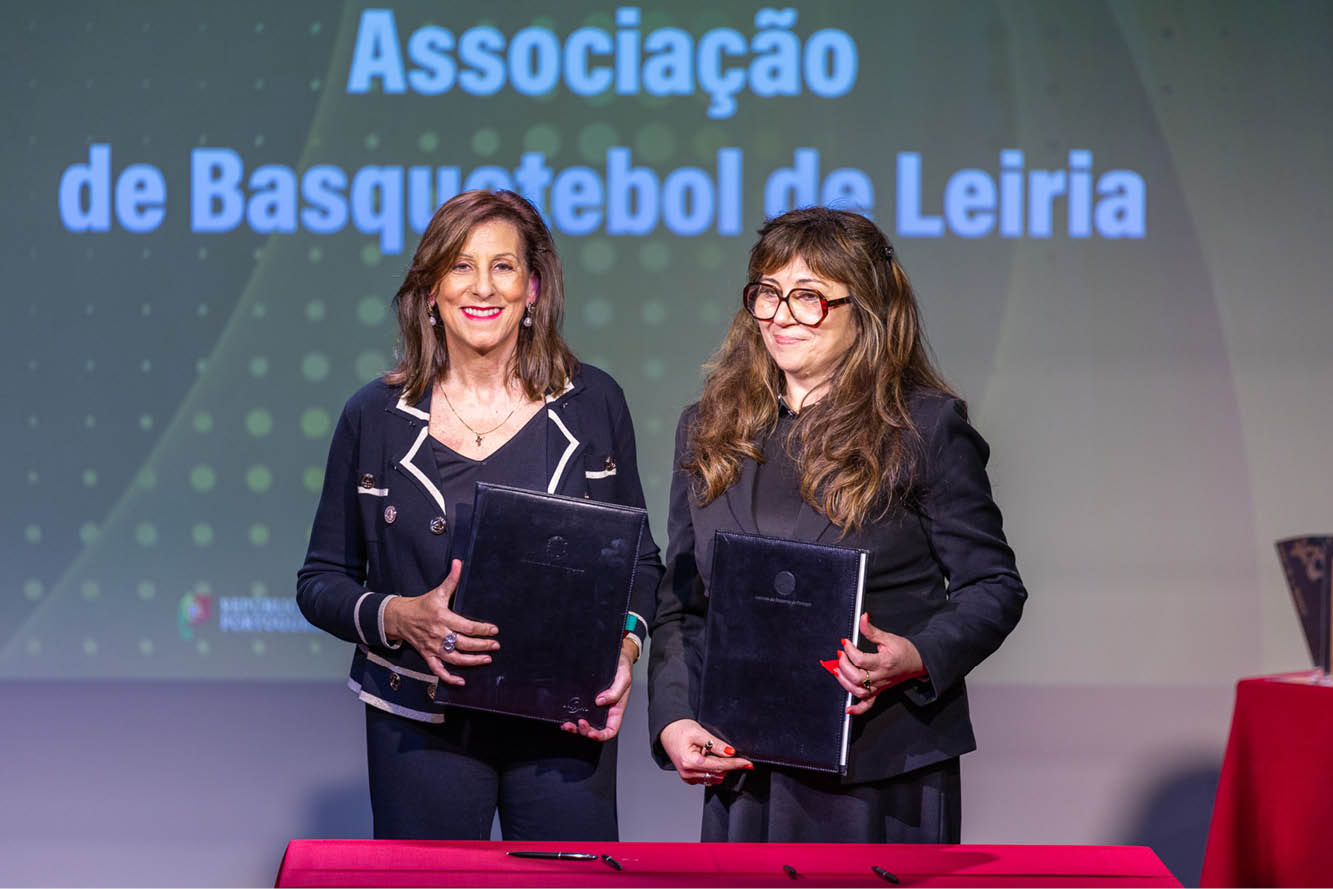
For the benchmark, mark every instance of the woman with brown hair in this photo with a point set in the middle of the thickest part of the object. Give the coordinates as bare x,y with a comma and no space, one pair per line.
823,420
486,390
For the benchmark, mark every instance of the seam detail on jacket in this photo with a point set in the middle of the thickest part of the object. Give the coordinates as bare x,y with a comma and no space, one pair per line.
564,458
401,671
380,703
411,467
409,409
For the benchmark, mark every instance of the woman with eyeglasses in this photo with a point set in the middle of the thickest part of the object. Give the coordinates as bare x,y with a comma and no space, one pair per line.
823,420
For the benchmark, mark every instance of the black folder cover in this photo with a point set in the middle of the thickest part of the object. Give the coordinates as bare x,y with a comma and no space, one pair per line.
776,608
1306,561
554,574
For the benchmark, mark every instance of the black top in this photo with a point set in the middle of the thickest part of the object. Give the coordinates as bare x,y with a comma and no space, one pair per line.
777,484
518,463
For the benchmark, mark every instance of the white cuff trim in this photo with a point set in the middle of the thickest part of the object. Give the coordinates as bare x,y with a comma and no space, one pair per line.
356,617
383,636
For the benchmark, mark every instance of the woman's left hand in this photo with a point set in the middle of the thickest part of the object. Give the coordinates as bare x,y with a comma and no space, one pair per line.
866,674
615,697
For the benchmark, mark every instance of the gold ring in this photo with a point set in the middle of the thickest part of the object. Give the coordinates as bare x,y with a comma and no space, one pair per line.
865,683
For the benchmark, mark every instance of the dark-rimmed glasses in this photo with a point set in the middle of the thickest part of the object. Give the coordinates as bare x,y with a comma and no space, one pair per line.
807,307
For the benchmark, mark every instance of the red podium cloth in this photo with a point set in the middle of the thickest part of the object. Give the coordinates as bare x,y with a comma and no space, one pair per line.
1273,819
405,863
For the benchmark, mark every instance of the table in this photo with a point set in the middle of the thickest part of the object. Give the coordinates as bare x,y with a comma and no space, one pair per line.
1273,818
411,863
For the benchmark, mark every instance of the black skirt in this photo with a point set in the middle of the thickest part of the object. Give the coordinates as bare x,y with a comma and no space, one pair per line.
779,805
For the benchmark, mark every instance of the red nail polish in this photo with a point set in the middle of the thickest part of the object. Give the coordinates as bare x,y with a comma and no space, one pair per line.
844,642
750,767
729,750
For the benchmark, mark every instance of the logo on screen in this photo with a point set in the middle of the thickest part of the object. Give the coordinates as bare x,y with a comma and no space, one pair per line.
195,610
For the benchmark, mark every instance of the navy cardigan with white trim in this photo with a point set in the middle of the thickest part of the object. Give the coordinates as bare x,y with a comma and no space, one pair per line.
362,553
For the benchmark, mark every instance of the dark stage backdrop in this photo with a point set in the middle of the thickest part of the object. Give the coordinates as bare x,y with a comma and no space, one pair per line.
1115,214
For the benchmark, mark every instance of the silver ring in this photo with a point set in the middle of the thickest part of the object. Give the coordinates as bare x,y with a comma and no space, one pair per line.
450,642
708,745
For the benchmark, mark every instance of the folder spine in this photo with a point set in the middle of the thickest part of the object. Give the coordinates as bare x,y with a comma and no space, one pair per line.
855,636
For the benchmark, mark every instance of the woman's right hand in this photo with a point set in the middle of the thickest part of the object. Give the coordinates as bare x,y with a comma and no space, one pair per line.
424,621
699,756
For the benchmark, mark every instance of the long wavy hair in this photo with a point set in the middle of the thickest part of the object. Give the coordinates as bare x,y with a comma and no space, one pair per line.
542,361
857,449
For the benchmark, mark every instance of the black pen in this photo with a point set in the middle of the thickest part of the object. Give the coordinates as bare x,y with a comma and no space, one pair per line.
566,856
885,874
611,861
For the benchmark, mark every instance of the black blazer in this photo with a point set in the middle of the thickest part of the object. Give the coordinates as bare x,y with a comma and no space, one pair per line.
940,574
382,528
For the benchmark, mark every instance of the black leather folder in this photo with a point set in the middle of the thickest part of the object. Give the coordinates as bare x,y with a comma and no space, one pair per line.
1308,563
776,608
554,574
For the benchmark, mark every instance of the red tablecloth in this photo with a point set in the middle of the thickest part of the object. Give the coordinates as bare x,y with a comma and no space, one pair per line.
1273,819
404,863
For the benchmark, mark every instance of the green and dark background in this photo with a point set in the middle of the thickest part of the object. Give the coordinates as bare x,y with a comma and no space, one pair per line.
1157,406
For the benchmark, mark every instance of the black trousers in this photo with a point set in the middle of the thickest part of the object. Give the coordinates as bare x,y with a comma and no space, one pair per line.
432,781
780,805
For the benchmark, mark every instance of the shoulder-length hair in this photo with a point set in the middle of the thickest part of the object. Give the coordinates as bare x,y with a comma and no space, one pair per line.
857,449
542,361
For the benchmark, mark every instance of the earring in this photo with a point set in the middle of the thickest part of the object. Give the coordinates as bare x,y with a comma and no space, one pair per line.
430,316
527,319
